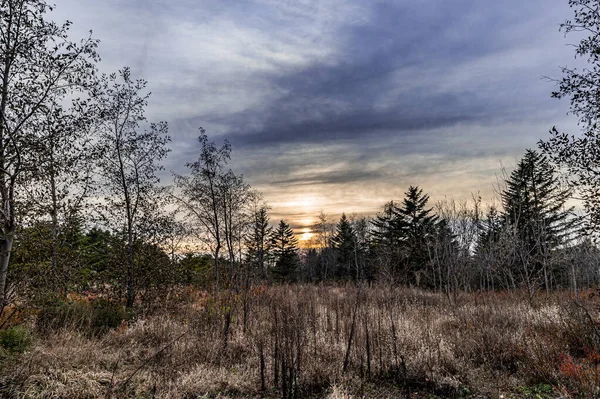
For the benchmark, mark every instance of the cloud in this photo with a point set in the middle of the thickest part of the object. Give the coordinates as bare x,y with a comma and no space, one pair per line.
343,101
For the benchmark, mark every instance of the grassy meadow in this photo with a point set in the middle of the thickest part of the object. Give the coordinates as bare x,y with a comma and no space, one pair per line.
296,341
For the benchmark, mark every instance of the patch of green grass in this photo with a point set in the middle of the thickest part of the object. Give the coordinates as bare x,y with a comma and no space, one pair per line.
540,391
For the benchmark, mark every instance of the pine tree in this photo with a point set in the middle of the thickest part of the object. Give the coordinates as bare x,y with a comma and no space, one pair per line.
401,233
534,202
417,221
489,229
285,251
534,206
486,248
418,225
385,228
344,244
260,247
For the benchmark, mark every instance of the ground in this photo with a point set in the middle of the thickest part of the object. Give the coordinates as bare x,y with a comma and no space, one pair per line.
309,341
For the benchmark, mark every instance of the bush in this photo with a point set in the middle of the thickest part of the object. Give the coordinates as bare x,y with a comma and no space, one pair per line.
106,315
15,339
91,318
58,315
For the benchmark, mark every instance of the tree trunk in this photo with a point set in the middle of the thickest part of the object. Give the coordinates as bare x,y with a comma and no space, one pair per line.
54,248
216,267
5,249
130,275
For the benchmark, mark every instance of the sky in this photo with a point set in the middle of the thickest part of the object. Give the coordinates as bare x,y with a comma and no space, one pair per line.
341,105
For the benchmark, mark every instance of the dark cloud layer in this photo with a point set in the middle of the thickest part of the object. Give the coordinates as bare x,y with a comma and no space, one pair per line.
344,102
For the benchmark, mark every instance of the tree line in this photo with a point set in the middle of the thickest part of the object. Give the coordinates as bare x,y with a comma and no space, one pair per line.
83,207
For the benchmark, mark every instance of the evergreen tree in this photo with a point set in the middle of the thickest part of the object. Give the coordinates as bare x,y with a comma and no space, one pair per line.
534,206
487,250
417,224
285,251
386,231
259,244
344,244
535,202
401,234
489,230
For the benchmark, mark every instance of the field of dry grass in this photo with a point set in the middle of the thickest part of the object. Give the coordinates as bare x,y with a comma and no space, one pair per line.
311,341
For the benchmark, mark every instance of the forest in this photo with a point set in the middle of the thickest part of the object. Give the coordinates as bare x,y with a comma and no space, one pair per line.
121,279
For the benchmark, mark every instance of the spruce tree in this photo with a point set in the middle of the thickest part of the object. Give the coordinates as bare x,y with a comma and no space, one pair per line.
534,206
259,243
344,244
402,232
534,202
285,251
418,224
385,228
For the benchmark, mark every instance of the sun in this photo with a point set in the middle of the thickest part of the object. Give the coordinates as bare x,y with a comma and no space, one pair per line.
306,234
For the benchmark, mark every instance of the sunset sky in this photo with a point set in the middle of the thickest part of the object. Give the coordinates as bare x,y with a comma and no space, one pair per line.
340,105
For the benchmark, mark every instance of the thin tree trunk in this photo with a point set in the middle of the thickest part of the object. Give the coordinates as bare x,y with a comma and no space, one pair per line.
5,250
216,268
130,273
262,367
352,327
6,240
54,215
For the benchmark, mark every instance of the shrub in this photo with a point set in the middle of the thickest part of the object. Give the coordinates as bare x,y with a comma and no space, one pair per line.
106,315
15,339
58,315
91,318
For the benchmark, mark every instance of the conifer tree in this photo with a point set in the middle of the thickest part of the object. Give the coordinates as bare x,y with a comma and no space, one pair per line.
260,246
344,244
535,202
418,224
385,227
401,233
285,251
534,206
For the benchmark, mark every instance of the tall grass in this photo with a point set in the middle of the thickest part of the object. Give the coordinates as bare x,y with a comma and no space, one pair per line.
300,340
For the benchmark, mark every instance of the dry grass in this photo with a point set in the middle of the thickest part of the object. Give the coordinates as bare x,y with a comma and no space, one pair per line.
300,341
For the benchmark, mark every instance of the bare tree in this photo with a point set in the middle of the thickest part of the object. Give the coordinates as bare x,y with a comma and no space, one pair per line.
235,197
174,234
128,161
324,230
200,194
580,155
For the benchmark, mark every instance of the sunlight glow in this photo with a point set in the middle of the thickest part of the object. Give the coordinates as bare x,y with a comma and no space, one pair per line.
306,234
303,203
306,222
